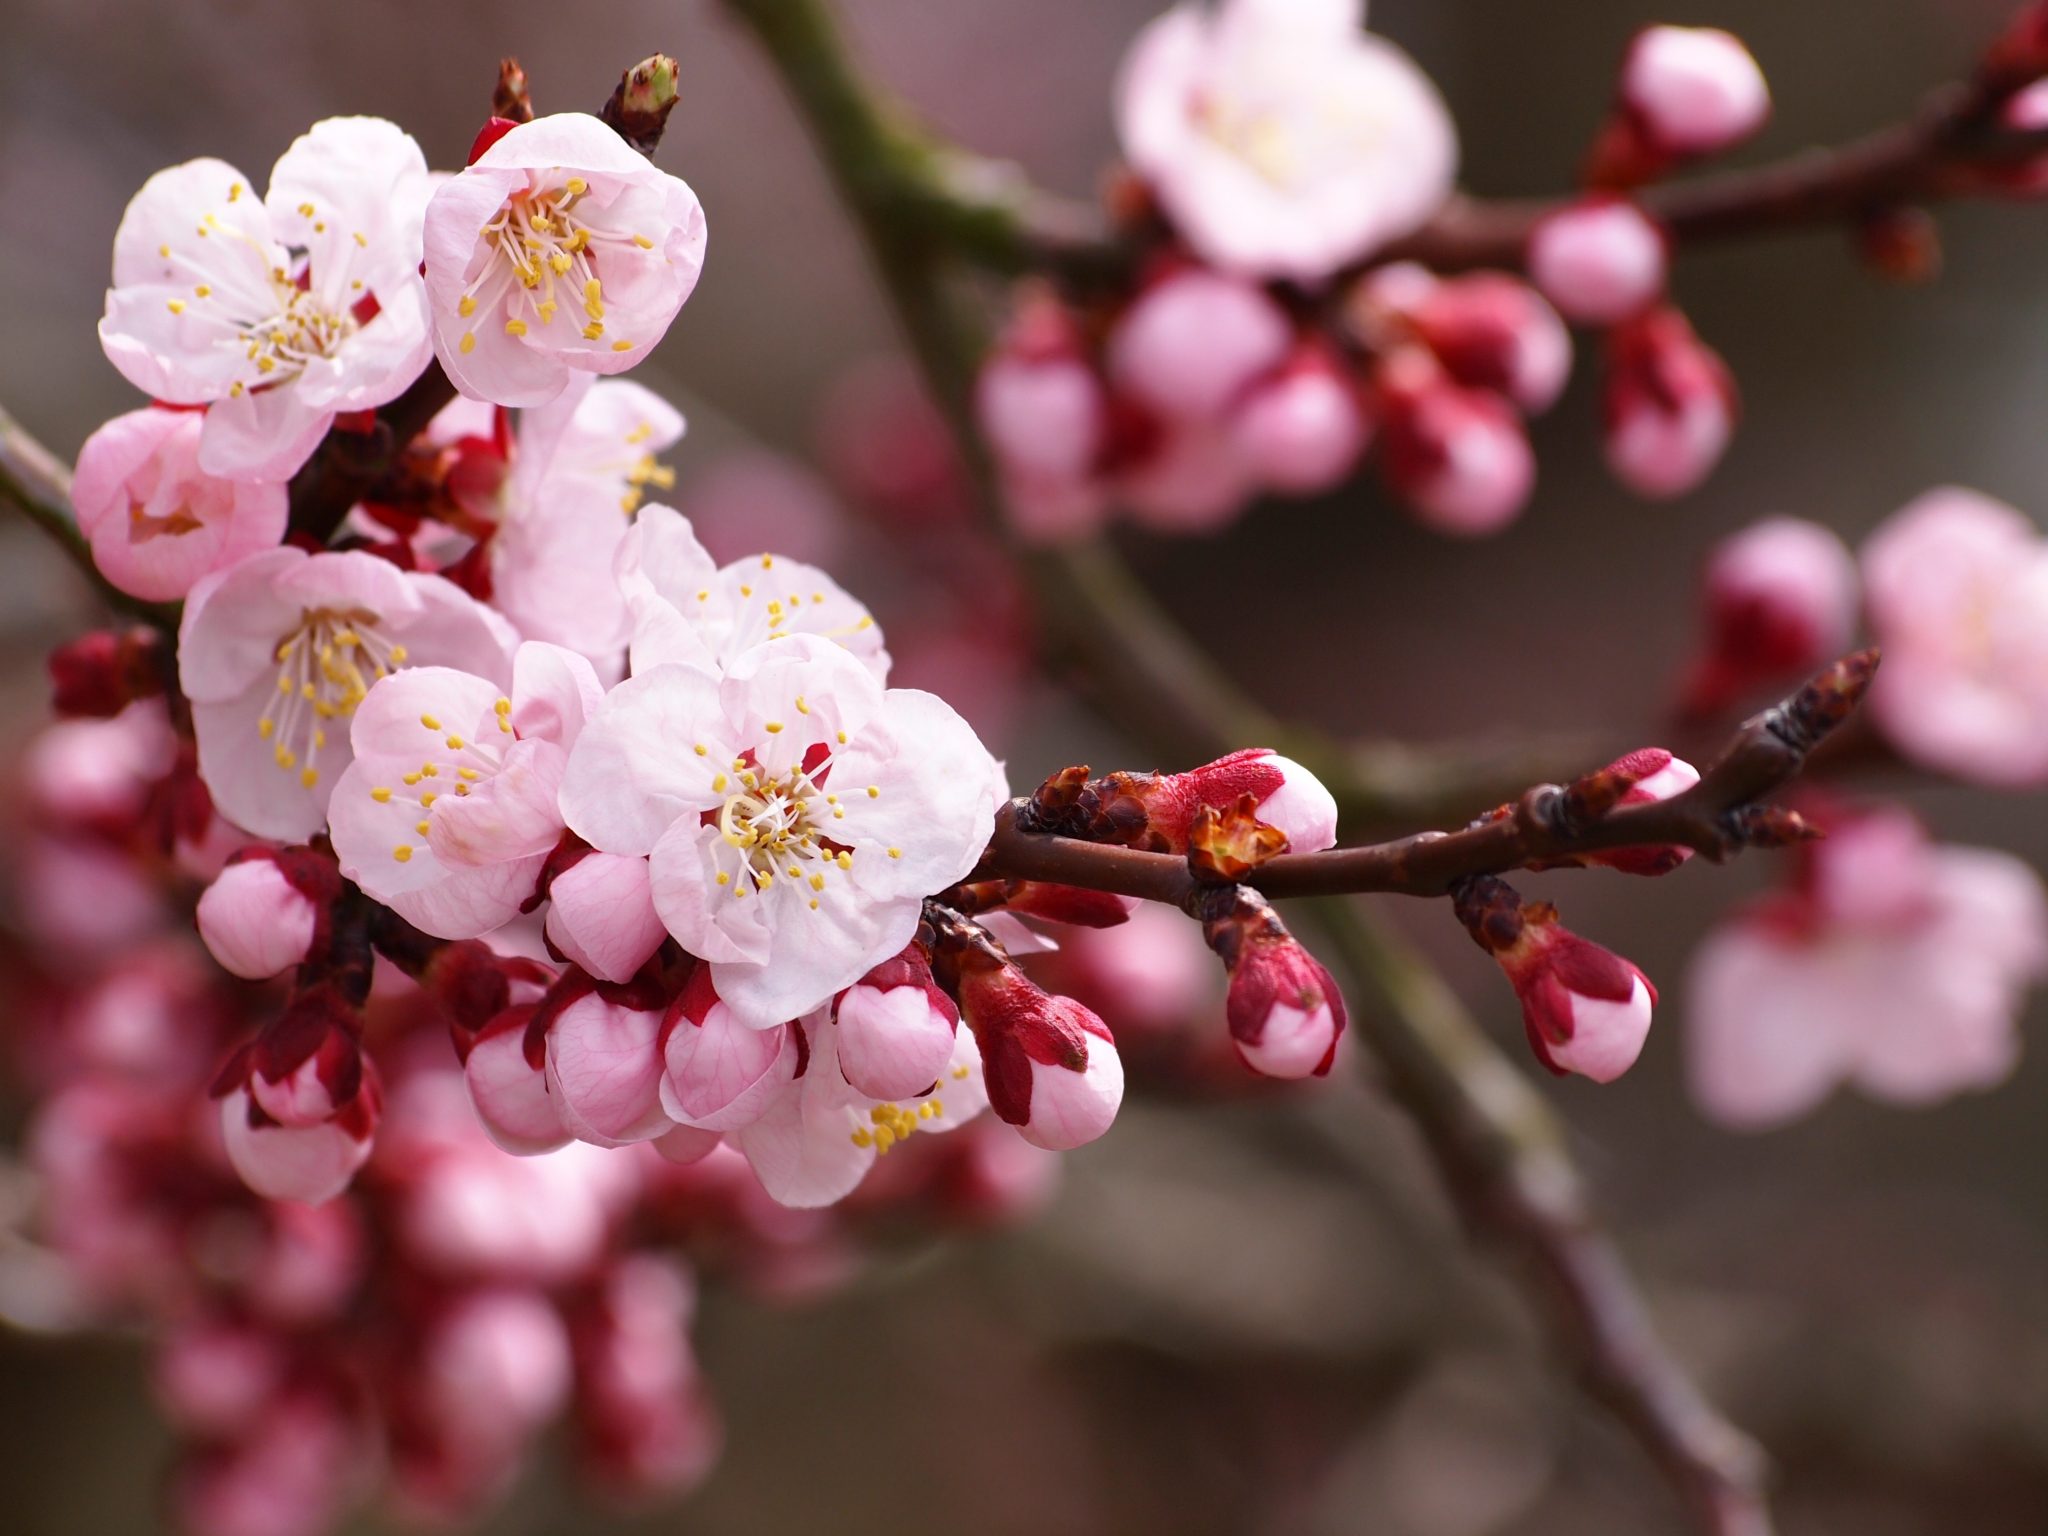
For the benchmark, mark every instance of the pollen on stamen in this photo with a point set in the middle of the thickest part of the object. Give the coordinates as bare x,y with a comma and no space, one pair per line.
701,750
468,343
622,346
592,331
724,878
515,327
381,794
801,707
466,306
402,853
430,722
454,743
643,242
309,777
874,792
266,728
421,827
773,727
718,784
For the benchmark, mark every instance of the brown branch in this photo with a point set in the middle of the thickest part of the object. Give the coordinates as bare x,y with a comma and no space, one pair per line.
1548,824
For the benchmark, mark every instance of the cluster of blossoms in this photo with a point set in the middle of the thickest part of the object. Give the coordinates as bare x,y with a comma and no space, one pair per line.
411,1340
1279,155
653,833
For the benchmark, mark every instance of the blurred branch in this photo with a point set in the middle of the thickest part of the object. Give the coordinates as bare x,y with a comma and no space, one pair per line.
35,482
1499,1147
1040,839
988,213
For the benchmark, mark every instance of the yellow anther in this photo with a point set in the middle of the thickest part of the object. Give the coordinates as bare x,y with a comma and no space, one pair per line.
309,778
467,773
817,882
643,242
724,878
427,800
466,306
454,743
306,210
801,707
468,343
718,784
431,770
895,853
515,327
266,728
202,291
622,346
410,778
577,186
402,853
592,331
746,591
773,727
842,738
361,238
421,828
874,793
844,860
701,750
176,306
430,722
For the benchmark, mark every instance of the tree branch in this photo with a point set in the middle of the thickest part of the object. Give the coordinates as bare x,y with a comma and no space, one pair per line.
1547,825
1499,1147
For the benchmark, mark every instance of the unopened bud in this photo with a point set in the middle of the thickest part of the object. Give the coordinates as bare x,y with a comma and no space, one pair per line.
254,921
1492,331
1157,811
1586,1010
1051,1067
100,674
1693,90
717,1073
1285,1011
896,1028
1193,341
642,100
1670,406
1779,599
1599,261
1457,457
1643,777
1302,430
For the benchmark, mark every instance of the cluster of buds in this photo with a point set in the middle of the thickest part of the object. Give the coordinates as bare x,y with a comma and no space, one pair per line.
1585,1009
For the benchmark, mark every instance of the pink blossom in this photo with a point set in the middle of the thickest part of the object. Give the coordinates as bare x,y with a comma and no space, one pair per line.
1192,342
1780,599
797,814
1956,587
1585,1009
896,1028
685,609
1191,480
1670,406
580,467
211,307
643,1420
279,650
1693,90
1897,965
1280,138
449,809
214,1377
1599,261
1303,430
290,1475
255,922
818,1135
156,520
560,250
601,915
497,1361
1458,457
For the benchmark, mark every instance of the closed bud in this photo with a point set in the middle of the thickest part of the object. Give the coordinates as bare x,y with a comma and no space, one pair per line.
1157,811
1693,90
1779,599
1492,331
1599,261
1302,430
309,1163
1192,342
254,921
1284,1009
1643,777
601,915
505,1070
100,674
1586,1010
604,1063
896,1028
1457,457
1670,407
1050,1065
717,1074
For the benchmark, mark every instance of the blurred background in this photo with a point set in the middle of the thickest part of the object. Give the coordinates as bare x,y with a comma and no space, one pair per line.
1240,1319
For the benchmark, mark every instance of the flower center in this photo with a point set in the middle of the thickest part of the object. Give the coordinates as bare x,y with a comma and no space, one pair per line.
546,242
325,668
300,332
889,1124
775,825
144,525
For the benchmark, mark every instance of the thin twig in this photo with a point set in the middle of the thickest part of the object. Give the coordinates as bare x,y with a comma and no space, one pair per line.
1716,817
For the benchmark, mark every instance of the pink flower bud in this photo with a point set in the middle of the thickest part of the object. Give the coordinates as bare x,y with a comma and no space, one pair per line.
498,1358
1658,776
1780,599
1302,430
896,1028
1492,331
508,1087
1458,457
1192,343
309,1163
1191,480
604,1069
601,915
254,921
1599,261
1043,417
213,1377
1285,1012
1051,1068
1586,1009
1693,90
1670,406
718,1074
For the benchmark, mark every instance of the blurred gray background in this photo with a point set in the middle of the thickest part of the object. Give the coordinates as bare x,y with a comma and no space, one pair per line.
1228,1322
